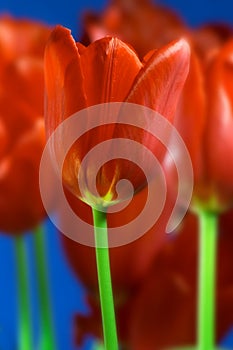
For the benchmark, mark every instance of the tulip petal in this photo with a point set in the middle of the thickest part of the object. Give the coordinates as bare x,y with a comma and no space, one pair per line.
220,121
109,67
190,115
63,78
160,81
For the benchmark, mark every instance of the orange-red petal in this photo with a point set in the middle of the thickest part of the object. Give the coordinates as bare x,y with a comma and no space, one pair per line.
219,134
160,81
63,78
109,67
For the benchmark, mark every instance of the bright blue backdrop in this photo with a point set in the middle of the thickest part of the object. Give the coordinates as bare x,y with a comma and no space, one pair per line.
67,293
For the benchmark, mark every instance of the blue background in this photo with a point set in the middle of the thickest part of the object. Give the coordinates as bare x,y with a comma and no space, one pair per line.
67,293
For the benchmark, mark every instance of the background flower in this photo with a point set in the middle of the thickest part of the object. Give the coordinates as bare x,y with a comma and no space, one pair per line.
21,117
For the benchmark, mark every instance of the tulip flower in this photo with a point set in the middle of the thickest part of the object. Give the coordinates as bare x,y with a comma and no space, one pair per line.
22,134
21,81
24,139
209,38
20,38
108,70
141,23
204,119
211,102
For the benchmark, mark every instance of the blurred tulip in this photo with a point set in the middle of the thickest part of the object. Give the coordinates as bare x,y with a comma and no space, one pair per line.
204,120
19,38
21,123
109,71
209,38
22,44
164,314
141,23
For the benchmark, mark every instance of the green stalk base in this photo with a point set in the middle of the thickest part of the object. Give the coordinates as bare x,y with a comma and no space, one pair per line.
25,328
207,284
104,279
47,337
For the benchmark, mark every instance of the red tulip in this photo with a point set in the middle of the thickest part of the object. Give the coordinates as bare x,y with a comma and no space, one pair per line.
164,314
204,120
21,123
19,38
141,23
209,38
109,71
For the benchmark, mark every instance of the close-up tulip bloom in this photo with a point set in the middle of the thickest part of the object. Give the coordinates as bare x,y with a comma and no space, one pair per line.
109,71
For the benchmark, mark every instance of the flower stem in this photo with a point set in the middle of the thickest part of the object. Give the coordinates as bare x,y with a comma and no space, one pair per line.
47,340
25,333
208,229
104,278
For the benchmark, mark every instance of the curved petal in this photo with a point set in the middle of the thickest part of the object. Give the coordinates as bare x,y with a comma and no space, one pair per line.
219,141
109,67
190,117
159,83
63,78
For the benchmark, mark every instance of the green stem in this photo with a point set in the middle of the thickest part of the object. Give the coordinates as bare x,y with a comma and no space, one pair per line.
47,340
207,270
104,278
25,333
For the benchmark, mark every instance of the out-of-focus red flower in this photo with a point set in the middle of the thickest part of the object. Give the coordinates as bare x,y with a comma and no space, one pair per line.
141,23
161,312
164,312
209,38
20,38
21,123
205,121
109,71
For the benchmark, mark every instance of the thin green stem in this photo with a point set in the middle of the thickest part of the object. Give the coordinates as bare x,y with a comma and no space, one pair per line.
25,332
207,274
104,278
47,340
